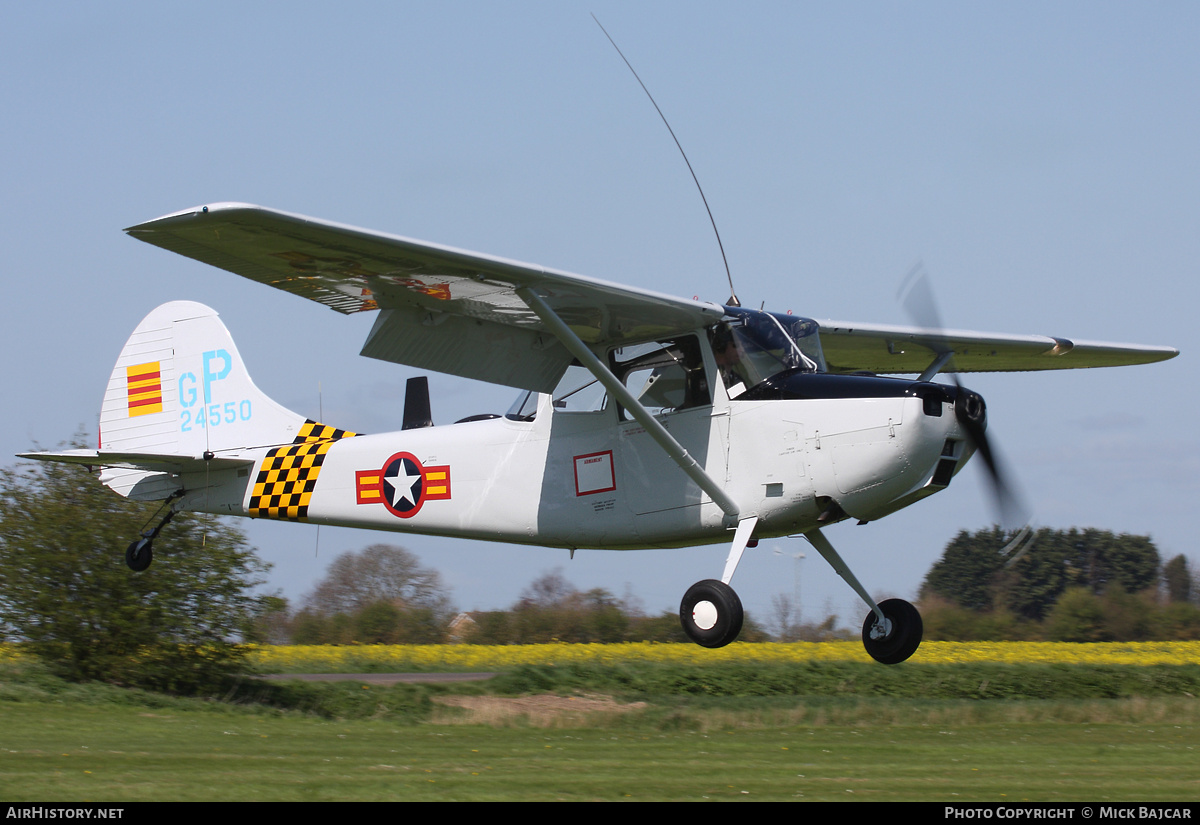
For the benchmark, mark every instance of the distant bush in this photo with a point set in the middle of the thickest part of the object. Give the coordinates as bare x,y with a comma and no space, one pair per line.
67,595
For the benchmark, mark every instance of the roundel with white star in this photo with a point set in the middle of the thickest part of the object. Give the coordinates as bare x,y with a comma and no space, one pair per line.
403,485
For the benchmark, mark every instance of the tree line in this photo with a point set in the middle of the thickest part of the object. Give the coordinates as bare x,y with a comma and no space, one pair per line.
359,603
1058,585
1062,585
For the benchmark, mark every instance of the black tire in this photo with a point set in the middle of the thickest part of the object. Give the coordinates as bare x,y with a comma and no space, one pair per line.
139,554
711,613
904,637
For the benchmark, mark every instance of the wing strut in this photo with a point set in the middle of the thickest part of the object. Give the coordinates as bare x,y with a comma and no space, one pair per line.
657,431
935,366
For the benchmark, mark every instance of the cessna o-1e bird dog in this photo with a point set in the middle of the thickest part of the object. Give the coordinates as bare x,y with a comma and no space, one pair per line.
643,421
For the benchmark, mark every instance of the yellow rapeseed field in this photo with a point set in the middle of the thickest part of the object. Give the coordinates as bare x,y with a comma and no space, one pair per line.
466,658
352,658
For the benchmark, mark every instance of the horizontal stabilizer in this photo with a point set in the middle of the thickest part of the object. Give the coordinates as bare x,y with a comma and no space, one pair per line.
150,462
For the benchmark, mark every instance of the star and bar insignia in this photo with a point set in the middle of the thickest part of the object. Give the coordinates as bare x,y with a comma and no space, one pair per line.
402,485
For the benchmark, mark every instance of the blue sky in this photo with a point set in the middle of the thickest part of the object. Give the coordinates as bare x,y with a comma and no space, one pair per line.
1040,159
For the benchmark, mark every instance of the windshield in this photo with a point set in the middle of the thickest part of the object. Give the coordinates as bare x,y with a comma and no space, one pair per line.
751,346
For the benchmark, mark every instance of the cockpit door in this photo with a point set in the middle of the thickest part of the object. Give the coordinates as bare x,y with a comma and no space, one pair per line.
672,379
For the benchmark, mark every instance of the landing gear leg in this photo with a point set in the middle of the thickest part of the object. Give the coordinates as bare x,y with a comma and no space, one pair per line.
711,613
892,630
140,551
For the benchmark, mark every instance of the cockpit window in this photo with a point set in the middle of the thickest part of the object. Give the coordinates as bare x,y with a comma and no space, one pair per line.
579,391
751,346
664,376
524,408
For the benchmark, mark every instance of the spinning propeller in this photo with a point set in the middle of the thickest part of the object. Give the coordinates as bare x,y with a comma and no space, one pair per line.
916,296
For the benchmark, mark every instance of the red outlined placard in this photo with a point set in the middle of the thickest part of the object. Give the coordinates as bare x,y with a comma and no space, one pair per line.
594,473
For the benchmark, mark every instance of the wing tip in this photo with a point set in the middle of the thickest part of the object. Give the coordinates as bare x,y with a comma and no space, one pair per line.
66,456
189,214
1124,354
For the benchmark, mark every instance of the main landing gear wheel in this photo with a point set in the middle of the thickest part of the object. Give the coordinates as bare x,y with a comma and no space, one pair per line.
898,638
711,613
139,554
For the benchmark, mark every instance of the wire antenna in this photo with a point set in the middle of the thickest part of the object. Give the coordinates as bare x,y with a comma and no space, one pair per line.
733,299
321,418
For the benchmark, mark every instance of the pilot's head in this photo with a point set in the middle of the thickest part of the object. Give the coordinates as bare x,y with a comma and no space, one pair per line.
725,346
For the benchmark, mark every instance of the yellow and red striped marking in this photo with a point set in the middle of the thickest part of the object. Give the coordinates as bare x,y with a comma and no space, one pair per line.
367,486
144,388
437,482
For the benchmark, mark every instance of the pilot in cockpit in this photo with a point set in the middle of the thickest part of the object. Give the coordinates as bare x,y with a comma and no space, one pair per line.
730,360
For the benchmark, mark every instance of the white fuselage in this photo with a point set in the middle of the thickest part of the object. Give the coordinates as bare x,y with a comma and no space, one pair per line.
586,479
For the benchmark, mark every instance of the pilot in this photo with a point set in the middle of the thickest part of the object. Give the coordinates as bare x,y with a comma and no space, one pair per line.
730,360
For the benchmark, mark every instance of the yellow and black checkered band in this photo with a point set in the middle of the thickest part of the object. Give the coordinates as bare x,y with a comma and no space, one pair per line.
288,475
312,431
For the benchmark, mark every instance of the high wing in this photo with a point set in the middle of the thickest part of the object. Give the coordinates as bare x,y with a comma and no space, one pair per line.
462,313
851,347
441,309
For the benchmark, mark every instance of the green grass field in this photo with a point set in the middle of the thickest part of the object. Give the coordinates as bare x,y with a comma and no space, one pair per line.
56,752
350,741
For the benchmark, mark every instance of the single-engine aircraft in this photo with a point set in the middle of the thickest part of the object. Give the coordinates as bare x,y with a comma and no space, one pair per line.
643,420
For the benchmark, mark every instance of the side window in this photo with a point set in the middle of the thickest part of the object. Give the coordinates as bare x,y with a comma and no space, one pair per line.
524,408
664,376
579,391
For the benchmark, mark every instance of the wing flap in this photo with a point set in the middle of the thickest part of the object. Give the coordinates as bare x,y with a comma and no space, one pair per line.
850,347
470,348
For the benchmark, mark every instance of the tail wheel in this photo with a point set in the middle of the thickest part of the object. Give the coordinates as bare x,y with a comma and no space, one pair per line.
139,554
711,613
894,640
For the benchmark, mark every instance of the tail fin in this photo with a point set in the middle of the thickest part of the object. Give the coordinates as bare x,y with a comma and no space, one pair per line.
180,388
